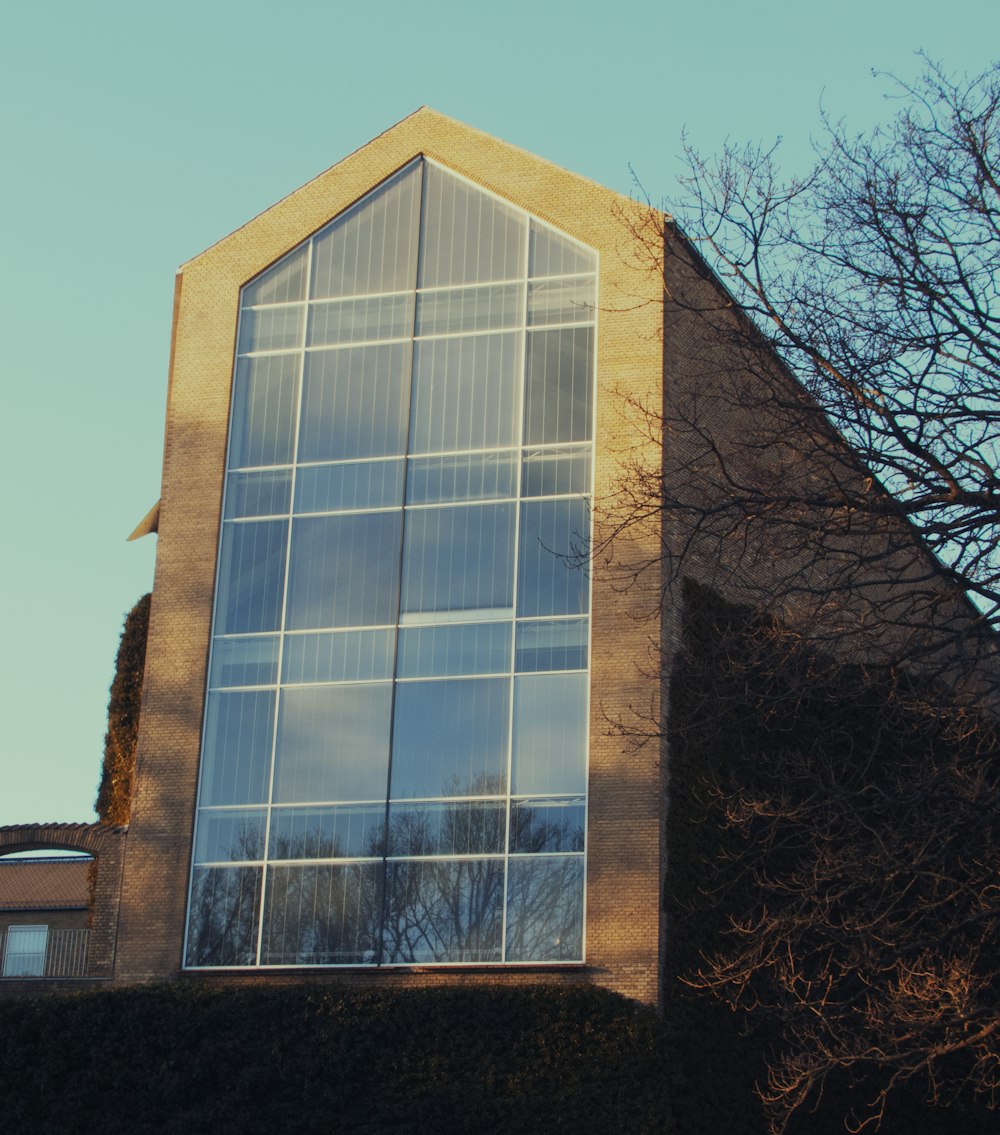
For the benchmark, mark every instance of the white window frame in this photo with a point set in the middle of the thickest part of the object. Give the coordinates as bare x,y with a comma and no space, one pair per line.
33,958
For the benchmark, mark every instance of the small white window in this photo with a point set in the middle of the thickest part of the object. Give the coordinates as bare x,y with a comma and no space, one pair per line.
25,953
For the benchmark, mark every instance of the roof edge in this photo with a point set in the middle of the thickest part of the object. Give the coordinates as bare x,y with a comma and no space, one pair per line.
435,116
305,184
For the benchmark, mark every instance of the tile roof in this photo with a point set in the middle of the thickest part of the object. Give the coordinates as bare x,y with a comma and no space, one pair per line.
43,884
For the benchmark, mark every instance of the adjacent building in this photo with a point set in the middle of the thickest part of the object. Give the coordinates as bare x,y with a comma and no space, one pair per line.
44,916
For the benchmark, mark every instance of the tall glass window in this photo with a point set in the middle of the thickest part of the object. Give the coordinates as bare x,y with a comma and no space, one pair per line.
394,762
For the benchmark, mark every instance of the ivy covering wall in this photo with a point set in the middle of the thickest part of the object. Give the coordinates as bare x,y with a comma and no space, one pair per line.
114,794
759,714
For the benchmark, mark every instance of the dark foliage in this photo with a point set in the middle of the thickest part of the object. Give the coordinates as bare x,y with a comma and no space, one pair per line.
114,794
179,1061
833,860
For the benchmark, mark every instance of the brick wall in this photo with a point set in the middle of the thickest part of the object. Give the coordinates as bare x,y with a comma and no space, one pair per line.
858,583
53,919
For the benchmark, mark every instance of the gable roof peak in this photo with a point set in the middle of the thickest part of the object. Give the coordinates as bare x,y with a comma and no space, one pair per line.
558,196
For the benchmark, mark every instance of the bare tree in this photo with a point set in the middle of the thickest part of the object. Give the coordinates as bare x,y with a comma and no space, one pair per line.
875,279
830,431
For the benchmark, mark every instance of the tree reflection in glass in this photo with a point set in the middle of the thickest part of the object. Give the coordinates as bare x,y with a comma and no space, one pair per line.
222,929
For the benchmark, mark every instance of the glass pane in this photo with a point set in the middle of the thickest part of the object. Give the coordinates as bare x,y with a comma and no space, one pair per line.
222,924
342,832
470,309
372,247
264,493
283,282
250,661
357,485
476,476
271,328
556,472
551,578
443,911
550,734
562,301
323,914
560,383
338,656
467,235
24,954
230,836
459,560
553,254
450,738
251,576
344,571
468,828
333,743
465,392
263,422
545,909
547,824
236,759
559,645
364,320
392,422
462,648
355,403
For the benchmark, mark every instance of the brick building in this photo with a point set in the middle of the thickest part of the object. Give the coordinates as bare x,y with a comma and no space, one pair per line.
400,638
397,653
63,907
43,916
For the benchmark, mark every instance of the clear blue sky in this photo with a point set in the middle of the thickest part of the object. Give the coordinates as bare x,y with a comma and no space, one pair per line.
134,135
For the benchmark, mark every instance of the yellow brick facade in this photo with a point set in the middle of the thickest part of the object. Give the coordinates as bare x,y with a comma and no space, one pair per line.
623,920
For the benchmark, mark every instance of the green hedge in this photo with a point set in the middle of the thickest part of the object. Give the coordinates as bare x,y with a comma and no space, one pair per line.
187,1059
